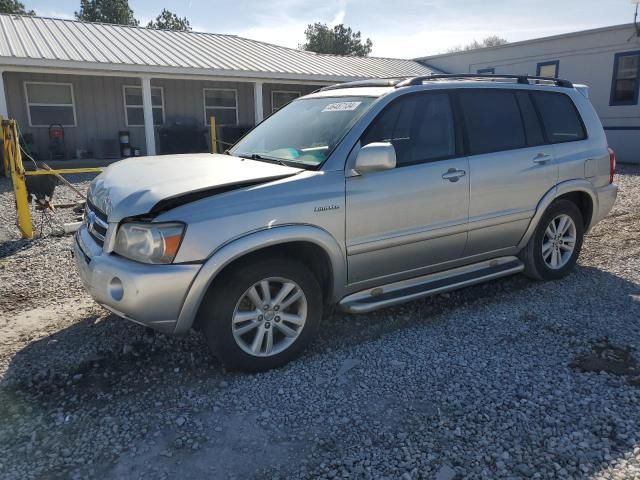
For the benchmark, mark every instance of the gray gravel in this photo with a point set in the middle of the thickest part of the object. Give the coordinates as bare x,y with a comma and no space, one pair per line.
45,264
512,379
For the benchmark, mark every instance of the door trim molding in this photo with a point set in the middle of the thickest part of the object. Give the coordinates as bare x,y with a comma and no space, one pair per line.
506,216
398,240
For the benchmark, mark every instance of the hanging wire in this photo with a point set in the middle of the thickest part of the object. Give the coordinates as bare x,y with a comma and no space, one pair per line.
21,142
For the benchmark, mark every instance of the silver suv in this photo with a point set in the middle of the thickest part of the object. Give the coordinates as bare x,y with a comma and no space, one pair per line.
360,195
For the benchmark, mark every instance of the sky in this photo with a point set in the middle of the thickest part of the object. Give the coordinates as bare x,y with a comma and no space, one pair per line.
400,28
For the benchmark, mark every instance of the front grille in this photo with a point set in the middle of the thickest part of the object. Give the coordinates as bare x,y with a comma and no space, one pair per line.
84,255
96,222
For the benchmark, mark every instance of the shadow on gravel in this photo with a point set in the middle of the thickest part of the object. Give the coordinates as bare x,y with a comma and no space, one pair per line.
10,247
124,373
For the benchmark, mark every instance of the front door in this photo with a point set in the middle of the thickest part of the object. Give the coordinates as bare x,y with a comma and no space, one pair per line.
415,215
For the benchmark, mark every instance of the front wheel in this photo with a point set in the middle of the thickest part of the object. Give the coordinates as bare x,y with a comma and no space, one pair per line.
553,250
262,314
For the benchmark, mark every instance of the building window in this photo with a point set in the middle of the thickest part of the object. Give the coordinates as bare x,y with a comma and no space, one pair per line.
279,98
626,72
484,71
548,69
134,110
50,103
221,103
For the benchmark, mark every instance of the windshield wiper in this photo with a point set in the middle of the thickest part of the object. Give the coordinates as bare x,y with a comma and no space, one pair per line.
257,156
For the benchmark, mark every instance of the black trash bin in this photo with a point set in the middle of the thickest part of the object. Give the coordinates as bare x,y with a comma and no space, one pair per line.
230,134
183,136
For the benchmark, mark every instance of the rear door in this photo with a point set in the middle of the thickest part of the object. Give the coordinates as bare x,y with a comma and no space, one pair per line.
415,215
565,131
511,166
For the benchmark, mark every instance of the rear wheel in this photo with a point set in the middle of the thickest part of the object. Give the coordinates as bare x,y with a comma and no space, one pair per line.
262,314
554,248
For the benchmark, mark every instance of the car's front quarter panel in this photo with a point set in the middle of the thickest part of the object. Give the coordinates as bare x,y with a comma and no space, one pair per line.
310,198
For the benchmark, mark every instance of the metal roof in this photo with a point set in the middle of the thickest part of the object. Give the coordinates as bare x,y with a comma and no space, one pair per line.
509,45
50,42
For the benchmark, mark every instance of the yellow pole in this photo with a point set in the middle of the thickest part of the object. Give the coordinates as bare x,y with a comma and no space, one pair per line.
60,171
214,135
19,184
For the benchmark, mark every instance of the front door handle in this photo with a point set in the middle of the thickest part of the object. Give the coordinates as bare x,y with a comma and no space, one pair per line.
453,174
541,158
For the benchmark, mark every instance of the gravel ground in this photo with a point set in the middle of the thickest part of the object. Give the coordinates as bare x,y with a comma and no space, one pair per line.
511,379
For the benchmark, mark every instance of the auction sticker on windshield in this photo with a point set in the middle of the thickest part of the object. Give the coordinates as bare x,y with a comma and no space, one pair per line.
341,107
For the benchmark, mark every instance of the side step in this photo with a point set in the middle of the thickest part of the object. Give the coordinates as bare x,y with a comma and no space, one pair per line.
406,290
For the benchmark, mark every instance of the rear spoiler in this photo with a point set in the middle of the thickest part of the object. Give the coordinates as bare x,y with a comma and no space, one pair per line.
583,89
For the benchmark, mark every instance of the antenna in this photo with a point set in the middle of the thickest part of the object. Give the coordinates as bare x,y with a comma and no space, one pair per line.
635,19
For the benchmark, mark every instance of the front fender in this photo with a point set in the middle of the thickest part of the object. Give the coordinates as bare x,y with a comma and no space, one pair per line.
250,243
557,191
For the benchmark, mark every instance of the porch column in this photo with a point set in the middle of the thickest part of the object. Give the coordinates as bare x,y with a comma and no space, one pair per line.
257,101
147,108
4,111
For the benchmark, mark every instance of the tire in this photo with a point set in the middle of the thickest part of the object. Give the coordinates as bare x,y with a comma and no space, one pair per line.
539,266
230,298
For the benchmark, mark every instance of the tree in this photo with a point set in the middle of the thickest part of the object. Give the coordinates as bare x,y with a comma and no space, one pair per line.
107,11
339,40
490,41
14,7
170,21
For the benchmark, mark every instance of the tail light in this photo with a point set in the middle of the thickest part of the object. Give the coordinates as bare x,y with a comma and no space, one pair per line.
612,164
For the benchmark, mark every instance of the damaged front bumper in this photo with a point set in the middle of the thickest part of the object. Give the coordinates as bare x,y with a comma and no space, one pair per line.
152,295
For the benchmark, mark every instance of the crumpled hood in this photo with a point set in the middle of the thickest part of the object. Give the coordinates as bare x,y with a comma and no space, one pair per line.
137,186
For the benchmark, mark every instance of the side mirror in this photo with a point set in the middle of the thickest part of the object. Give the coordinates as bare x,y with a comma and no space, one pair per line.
375,157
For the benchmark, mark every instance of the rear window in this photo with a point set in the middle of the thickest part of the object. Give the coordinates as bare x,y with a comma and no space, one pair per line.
559,117
493,121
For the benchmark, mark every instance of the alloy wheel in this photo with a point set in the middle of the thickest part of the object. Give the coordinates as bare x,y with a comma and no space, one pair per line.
269,317
559,242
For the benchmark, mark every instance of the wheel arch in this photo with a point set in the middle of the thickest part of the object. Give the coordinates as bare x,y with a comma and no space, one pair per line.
314,246
581,192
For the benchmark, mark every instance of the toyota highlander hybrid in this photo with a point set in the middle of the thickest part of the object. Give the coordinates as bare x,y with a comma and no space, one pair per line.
359,196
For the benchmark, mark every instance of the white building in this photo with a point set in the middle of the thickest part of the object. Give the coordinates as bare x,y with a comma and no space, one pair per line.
606,59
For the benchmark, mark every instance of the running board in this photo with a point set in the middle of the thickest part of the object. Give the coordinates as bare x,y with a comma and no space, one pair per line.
406,290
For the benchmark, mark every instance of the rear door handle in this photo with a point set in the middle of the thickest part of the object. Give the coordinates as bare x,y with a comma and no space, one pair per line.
453,174
541,158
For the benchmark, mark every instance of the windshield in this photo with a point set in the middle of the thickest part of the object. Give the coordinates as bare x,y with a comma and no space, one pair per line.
304,132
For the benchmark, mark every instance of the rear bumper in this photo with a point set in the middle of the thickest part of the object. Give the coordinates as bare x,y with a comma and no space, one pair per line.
606,198
152,295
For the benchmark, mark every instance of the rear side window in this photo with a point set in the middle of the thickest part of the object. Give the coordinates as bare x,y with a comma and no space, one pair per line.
493,121
420,127
560,117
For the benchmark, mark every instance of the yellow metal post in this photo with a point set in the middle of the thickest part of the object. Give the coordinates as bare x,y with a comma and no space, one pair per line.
13,166
12,152
22,204
61,171
214,135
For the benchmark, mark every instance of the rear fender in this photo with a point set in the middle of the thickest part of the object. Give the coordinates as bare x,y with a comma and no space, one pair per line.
555,192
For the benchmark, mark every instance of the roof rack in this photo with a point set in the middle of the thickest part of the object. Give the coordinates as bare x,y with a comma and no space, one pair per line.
522,79
375,82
